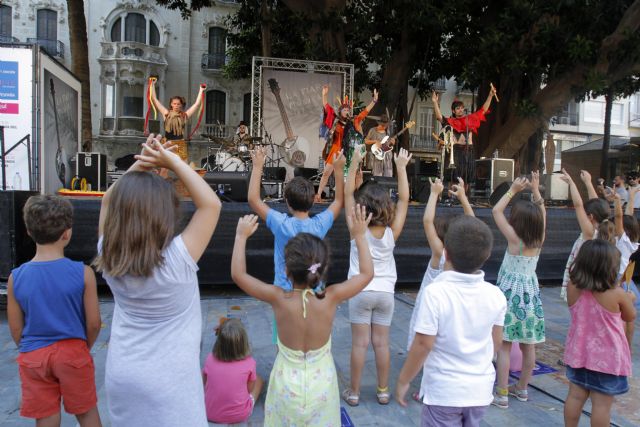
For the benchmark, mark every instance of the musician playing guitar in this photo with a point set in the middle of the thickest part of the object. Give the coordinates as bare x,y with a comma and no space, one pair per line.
375,136
463,127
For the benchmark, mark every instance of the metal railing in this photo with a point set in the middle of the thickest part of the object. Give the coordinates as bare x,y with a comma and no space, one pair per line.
52,47
8,39
440,84
423,142
218,131
213,61
570,119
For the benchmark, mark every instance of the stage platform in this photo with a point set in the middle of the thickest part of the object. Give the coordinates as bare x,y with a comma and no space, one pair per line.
411,253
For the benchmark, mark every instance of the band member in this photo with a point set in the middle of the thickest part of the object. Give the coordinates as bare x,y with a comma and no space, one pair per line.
381,167
242,132
463,127
344,132
175,118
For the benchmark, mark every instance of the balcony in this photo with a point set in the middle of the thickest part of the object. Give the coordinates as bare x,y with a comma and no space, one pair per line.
439,85
52,47
127,126
423,143
134,51
570,119
213,61
8,39
217,131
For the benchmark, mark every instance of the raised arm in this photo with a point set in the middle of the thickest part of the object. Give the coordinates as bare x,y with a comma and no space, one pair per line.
501,220
583,220
435,99
191,111
350,186
258,157
357,222
338,169
161,108
401,159
91,307
458,191
487,103
435,244
325,92
538,199
197,234
586,179
247,225
15,316
617,213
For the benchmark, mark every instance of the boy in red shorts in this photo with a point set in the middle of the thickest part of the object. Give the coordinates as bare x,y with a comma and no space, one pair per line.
54,318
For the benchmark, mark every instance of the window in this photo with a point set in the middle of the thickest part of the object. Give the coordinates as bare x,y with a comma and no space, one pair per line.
154,34
425,122
216,104
135,28
132,100
109,100
568,115
594,111
116,31
47,25
217,47
5,21
634,110
617,113
246,108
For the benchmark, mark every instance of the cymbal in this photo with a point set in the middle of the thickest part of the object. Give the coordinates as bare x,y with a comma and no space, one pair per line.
253,138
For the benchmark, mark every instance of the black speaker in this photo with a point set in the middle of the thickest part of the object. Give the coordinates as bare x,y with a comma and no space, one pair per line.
500,191
420,188
490,173
16,247
389,183
308,173
93,168
230,186
274,174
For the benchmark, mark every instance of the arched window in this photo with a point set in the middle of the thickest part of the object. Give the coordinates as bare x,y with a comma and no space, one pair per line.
5,21
216,107
135,28
116,30
47,28
154,34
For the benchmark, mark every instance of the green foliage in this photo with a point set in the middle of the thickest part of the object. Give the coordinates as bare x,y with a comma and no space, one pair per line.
185,7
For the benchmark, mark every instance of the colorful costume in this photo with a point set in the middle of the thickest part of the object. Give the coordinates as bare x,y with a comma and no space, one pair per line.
524,321
342,134
462,129
174,126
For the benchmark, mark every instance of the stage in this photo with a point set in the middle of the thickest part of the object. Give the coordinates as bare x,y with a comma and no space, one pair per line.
411,253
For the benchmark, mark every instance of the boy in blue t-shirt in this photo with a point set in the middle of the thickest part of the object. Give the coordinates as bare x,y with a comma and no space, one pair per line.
54,318
299,195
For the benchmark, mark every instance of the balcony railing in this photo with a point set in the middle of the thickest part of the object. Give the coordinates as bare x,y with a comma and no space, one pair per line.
127,126
440,84
213,61
217,131
423,142
52,47
133,51
8,39
566,120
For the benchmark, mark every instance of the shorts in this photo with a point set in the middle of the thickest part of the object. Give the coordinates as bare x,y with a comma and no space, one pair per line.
63,370
372,307
446,416
598,381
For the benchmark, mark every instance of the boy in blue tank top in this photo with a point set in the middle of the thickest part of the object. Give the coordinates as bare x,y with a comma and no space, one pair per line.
54,318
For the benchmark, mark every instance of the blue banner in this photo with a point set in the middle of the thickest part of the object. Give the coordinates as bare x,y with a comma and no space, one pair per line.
9,80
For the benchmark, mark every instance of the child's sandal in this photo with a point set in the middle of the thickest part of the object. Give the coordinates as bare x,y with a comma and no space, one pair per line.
350,397
383,395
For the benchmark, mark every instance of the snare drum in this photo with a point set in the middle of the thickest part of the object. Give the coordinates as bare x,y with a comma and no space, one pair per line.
233,164
222,157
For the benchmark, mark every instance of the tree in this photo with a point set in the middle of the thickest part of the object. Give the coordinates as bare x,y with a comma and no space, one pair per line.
80,64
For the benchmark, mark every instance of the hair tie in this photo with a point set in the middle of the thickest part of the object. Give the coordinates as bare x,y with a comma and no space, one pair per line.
314,267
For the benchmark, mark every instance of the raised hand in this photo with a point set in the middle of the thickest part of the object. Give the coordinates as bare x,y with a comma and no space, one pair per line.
435,98
585,176
358,221
339,160
535,181
325,90
247,225
402,158
566,177
458,189
157,155
519,184
436,186
375,95
258,156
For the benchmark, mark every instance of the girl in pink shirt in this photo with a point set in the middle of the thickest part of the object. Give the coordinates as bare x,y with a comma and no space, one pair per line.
597,352
231,386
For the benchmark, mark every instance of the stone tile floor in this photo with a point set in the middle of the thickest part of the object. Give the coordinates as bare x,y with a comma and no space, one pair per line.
544,408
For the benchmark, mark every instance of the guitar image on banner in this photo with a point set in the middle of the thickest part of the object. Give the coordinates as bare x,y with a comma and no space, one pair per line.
292,144
62,161
381,148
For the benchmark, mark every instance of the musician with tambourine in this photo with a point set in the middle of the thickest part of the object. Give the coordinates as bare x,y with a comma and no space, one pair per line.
458,132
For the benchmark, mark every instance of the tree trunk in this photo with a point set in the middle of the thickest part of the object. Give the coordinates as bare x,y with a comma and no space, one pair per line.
265,27
80,64
606,139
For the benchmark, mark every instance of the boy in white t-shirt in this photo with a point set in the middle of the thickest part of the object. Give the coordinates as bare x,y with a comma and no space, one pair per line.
458,328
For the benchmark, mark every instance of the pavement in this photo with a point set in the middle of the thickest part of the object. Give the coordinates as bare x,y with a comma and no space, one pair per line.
547,392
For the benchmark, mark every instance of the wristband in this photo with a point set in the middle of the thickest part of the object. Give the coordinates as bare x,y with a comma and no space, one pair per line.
509,194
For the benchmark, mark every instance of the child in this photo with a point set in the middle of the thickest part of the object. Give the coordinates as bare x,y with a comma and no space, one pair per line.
593,218
153,366
435,231
524,322
54,318
299,195
627,237
459,326
303,386
231,386
370,311
596,353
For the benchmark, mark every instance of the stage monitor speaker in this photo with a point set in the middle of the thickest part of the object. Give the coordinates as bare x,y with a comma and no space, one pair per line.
93,168
309,173
230,186
16,246
389,183
420,188
274,174
490,173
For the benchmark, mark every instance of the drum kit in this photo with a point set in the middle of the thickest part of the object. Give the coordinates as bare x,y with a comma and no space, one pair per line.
230,154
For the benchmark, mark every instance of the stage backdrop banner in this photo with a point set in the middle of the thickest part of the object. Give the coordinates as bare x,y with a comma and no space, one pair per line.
60,94
16,112
300,111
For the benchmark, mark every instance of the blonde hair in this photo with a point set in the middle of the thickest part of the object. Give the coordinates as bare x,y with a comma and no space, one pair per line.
140,222
232,343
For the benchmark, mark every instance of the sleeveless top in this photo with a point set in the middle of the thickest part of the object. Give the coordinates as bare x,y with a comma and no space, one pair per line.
384,264
596,338
51,295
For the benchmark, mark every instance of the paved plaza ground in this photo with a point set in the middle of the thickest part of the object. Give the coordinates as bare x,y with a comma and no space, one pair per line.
547,392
